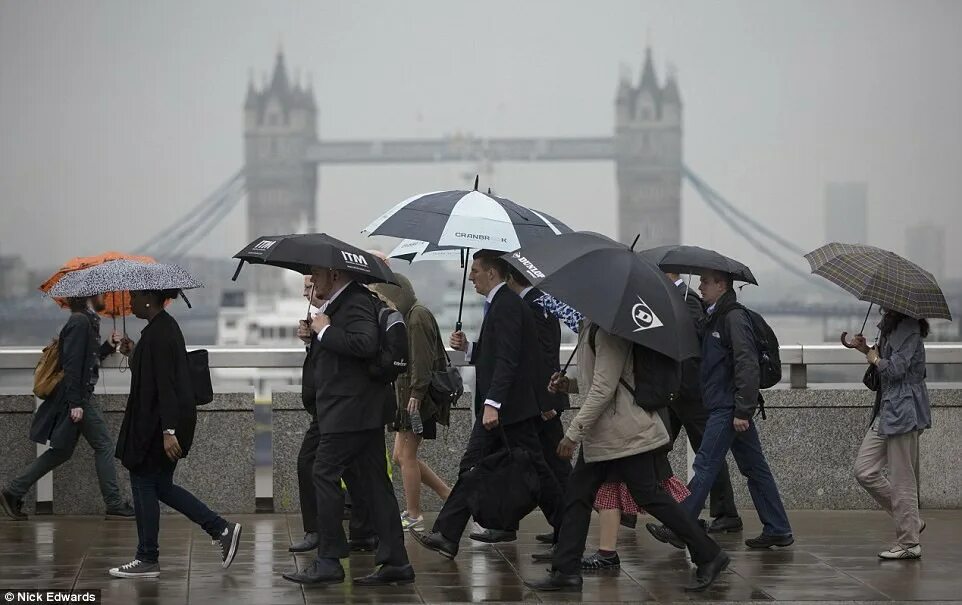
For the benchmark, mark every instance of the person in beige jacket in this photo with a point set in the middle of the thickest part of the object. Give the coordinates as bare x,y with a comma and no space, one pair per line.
616,434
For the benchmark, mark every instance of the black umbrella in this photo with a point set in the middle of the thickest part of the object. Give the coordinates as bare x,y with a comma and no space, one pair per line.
612,286
300,252
695,260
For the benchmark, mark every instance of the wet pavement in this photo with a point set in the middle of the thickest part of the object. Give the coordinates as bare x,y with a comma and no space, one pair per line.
833,560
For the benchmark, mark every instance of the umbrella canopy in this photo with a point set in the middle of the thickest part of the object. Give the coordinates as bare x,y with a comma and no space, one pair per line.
881,277
413,251
466,219
696,260
124,275
117,303
612,286
300,252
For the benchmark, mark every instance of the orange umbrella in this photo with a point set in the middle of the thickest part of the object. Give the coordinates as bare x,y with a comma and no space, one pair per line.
118,303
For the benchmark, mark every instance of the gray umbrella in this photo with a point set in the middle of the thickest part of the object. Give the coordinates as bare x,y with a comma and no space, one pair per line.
692,259
123,275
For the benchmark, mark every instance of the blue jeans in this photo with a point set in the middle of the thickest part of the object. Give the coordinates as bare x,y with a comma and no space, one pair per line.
720,436
152,488
94,429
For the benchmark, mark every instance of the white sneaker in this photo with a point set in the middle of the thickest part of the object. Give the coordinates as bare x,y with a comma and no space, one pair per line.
136,569
408,523
899,552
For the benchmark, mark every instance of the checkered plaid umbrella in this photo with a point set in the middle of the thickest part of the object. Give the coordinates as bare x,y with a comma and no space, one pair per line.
881,277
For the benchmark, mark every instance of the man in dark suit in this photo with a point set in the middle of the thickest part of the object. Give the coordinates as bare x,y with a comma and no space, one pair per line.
551,430
349,407
506,356
689,412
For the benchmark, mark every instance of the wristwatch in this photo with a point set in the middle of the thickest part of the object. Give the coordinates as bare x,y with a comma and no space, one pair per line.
169,431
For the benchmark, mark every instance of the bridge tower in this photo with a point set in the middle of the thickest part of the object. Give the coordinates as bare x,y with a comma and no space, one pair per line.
648,160
280,123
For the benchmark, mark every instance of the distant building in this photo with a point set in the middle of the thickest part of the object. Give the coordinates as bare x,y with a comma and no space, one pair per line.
648,159
846,212
14,277
925,246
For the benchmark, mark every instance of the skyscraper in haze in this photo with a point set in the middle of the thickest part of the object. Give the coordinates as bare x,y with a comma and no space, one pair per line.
846,210
648,159
925,246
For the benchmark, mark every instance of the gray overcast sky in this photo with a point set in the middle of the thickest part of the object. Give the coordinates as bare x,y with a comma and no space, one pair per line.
116,117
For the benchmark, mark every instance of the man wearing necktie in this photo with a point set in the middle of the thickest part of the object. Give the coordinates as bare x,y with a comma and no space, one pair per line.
506,357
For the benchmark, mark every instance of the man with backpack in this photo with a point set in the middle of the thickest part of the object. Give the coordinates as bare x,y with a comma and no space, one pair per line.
70,411
737,359
353,396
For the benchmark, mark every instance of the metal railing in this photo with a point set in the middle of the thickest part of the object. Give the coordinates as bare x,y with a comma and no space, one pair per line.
797,357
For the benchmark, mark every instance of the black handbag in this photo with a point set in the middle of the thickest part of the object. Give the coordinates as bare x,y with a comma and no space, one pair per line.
446,386
198,366
871,378
503,487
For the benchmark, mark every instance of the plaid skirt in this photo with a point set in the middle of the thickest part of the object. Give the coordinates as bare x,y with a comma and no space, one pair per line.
616,495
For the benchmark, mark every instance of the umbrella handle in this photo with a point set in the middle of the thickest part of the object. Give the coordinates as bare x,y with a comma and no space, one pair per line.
464,281
564,370
866,318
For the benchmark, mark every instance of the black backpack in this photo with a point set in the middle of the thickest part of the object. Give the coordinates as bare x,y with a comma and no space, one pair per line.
391,359
769,360
657,377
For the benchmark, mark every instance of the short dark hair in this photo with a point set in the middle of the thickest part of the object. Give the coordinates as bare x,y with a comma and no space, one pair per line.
77,304
518,277
722,276
162,296
491,259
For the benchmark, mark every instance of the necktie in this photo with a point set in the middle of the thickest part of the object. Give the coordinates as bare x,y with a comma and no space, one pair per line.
487,305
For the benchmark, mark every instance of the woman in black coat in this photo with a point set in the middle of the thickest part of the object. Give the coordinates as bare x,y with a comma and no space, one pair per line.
158,430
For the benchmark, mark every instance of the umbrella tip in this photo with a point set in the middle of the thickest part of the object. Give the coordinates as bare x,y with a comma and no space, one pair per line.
637,237
476,178
489,191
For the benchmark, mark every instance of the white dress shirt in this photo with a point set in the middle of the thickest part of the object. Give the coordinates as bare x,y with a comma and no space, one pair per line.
327,304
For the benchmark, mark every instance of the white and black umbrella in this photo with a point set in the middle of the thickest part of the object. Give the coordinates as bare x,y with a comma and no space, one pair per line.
464,220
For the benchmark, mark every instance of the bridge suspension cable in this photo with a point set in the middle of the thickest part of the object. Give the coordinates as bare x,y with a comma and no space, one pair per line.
186,232
725,210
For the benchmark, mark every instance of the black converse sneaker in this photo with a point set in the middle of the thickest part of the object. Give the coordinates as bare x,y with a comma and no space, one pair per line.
227,542
136,569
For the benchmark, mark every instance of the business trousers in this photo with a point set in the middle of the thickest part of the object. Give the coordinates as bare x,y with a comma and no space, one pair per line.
360,524
638,474
550,433
455,513
357,458
693,416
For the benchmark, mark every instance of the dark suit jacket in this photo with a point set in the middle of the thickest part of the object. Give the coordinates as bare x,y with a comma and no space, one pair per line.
507,357
346,398
691,368
161,397
308,392
79,353
549,337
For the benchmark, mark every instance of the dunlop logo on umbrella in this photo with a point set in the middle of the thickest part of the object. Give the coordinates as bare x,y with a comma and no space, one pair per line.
532,270
644,317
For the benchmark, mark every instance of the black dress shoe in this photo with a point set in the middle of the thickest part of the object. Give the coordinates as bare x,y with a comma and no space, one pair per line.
545,556
364,544
547,538
388,575
494,536
124,511
664,535
13,507
557,581
707,573
437,542
309,543
725,525
766,541
320,571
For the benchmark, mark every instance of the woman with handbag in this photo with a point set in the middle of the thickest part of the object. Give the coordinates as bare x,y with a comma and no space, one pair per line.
419,409
157,431
901,412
